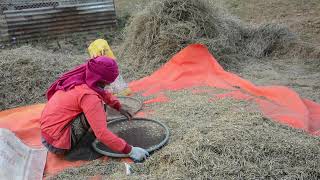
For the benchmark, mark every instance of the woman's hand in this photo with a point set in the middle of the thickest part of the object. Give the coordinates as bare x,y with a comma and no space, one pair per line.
138,154
126,113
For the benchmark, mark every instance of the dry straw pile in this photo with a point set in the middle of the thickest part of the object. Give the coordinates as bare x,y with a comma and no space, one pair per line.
166,26
222,139
26,73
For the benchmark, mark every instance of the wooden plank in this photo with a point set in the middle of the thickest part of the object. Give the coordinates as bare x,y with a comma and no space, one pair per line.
28,37
56,17
107,2
60,21
60,10
61,29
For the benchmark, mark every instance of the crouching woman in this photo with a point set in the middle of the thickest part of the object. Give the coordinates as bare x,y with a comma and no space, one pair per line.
76,107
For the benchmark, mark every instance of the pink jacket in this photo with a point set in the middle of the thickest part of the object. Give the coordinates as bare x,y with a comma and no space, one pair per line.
64,106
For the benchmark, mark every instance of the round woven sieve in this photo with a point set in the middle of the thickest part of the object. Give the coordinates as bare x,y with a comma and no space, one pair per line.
131,104
140,132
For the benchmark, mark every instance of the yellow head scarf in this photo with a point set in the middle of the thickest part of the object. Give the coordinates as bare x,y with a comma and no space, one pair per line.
100,47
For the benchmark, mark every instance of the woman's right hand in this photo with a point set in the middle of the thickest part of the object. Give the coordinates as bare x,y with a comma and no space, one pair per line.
138,154
126,113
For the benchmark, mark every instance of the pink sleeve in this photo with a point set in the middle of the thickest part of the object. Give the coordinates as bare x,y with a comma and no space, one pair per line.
96,116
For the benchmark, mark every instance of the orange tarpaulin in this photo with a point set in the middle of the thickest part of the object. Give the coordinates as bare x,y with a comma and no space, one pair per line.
193,66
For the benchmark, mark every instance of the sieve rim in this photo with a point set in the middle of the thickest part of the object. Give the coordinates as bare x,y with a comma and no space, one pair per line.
151,149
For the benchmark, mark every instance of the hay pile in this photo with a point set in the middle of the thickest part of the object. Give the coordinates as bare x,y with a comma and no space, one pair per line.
97,167
164,27
27,72
223,139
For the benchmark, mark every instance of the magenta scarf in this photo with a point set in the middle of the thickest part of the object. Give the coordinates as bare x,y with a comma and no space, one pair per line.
99,69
